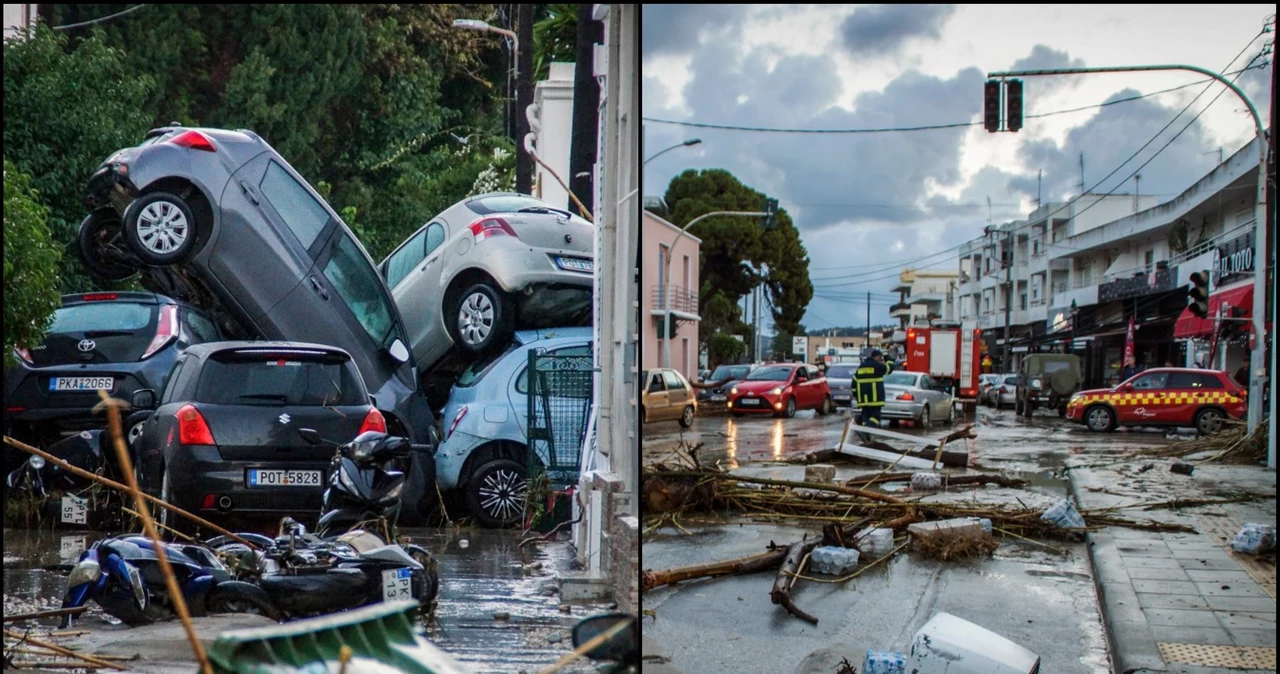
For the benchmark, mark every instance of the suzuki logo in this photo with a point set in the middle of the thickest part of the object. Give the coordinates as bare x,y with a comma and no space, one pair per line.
87,345
284,418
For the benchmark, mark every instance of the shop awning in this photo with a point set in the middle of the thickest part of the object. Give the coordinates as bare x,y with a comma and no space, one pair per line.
1189,325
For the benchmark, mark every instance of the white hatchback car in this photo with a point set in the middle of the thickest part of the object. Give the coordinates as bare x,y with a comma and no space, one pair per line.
486,266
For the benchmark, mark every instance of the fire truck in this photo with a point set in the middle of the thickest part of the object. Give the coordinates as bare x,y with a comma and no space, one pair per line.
950,353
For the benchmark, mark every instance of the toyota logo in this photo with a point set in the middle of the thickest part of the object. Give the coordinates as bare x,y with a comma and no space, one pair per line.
87,345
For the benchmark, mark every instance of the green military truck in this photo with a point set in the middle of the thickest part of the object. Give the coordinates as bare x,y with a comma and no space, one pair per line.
1047,380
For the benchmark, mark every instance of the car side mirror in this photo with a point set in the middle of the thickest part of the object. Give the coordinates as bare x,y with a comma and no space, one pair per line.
311,436
143,399
399,351
622,632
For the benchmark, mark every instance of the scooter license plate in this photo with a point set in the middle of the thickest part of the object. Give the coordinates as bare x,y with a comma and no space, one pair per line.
397,584
259,477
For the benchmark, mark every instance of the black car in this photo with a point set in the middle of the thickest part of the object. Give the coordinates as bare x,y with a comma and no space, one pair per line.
118,341
730,375
225,435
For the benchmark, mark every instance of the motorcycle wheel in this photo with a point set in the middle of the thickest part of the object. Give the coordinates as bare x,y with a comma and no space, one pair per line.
235,596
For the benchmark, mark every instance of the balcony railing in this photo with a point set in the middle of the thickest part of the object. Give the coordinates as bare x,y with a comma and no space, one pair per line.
675,298
900,306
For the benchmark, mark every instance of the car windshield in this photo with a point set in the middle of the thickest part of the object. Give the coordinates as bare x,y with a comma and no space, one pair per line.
285,381
840,372
1051,366
102,316
359,285
901,379
479,368
773,373
730,372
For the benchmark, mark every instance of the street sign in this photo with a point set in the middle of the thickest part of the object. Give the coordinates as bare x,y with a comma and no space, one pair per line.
799,346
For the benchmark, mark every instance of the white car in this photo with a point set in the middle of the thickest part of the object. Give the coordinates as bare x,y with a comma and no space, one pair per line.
486,266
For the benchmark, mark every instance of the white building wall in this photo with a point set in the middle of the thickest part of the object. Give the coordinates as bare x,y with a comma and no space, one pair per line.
553,103
17,18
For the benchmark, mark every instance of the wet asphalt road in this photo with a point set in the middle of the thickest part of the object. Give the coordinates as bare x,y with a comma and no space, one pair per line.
1042,599
482,572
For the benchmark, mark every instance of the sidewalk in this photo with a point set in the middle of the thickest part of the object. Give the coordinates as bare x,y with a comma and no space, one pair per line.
1175,602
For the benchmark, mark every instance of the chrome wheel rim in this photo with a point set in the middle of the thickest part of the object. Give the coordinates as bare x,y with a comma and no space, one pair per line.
688,416
502,494
1098,419
475,319
162,227
1210,422
924,416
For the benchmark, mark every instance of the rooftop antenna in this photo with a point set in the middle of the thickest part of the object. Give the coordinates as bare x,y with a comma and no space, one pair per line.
1039,184
989,210
1081,174
1137,190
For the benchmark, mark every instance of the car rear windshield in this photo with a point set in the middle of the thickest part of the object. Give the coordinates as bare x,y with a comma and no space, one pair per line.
730,372
101,332
840,372
900,379
279,380
105,316
776,373
510,203
1051,366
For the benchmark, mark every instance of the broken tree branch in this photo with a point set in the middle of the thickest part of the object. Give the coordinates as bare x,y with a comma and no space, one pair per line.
22,638
765,561
874,496
54,613
781,593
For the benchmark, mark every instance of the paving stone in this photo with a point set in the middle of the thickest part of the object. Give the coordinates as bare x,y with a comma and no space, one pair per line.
1223,562
1197,553
1244,604
1133,534
1247,588
1248,637
1215,575
1144,573
1200,544
1191,635
1251,621
1181,618
1165,587
1154,563
1174,601
1127,551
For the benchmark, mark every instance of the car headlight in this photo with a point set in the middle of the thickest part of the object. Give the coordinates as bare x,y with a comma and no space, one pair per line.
1077,396
776,391
734,391
1035,383
87,571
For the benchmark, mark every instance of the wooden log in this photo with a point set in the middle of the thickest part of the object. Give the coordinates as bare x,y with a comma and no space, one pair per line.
780,595
874,496
735,567
22,638
54,613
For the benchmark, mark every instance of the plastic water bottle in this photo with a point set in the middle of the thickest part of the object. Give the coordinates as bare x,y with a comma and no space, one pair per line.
834,561
875,543
884,662
1254,539
1064,515
926,482
983,522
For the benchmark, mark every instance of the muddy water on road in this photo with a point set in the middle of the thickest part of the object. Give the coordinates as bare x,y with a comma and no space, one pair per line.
482,572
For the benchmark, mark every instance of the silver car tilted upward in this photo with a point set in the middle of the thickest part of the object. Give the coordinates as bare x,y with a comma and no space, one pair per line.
486,266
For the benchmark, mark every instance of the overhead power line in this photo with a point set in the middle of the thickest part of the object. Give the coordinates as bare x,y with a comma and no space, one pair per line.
104,19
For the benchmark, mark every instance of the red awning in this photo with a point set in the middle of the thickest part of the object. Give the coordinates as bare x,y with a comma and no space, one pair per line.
1189,325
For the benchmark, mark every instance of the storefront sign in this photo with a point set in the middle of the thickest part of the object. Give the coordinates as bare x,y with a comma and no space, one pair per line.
1233,258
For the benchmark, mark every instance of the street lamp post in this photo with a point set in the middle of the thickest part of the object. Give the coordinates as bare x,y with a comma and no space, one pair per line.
484,27
687,143
666,275
1257,380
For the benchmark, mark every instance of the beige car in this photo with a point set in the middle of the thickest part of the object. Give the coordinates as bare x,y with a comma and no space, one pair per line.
667,395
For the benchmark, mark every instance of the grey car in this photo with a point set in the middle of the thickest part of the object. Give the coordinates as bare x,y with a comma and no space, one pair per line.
486,266
1004,391
916,397
730,375
840,379
218,218
485,449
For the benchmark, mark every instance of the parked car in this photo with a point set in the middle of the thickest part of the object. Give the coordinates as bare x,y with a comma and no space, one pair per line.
1162,397
985,382
224,437
730,375
1047,380
486,266
1003,392
484,452
220,219
116,341
667,395
782,389
916,397
840,379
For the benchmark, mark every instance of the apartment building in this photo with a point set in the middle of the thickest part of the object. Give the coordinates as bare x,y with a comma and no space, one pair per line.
669,278
923,295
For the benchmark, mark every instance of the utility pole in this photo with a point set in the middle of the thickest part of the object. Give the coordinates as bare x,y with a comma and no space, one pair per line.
1008,296
524,98
868,319
586,110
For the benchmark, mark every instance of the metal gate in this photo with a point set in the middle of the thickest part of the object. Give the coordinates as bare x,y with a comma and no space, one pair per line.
560,392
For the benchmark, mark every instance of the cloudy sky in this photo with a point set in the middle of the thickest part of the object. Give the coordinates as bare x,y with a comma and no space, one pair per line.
866,204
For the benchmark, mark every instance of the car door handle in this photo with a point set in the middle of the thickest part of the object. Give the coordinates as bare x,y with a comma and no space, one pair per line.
429,262
316,286
248,192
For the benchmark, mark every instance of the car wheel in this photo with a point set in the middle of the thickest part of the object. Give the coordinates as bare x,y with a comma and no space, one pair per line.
495,493
1099,418
481,319
102,248
686,418
1209,420
160,228
827,406
168,517
924,418
1062,411
239,597
790,410
951,413
644,415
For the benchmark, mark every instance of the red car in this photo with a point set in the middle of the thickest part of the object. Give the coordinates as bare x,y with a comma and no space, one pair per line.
781,389
1167,396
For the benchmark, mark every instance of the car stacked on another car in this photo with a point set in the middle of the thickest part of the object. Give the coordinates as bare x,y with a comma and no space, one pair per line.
119,342
781,389
1187,397
916,397
667,395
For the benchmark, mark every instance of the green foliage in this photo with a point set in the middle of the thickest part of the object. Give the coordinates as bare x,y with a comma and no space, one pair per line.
555,38
781,347
728,242
65,111
723,349
30,264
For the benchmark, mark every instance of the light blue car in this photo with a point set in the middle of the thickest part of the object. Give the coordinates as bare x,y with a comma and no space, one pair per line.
484,451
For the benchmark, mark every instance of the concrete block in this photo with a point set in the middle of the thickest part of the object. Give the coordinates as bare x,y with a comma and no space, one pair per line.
820,472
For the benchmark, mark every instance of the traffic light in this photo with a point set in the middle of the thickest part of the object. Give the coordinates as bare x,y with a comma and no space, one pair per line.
1013,103
991,105
1233,329
770,218
1198,295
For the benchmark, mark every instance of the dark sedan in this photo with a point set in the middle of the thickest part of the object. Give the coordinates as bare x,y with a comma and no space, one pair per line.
224,438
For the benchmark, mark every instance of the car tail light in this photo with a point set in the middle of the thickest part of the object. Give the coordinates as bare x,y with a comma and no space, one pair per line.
457,418
906,396
192,429
374,421
194,140
15,409
98,297
24,355
207,502
490,227
166,330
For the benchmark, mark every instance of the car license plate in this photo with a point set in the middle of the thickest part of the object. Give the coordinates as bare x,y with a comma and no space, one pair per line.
81,383
397,584
842,398
749,402
259,477
576,264
717,399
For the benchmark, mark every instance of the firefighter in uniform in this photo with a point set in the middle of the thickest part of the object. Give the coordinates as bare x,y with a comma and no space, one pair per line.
868,382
